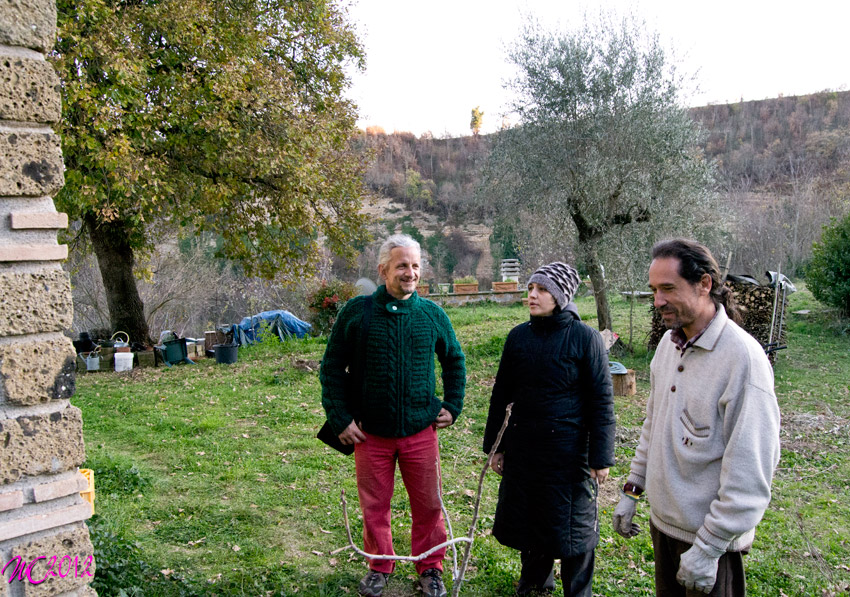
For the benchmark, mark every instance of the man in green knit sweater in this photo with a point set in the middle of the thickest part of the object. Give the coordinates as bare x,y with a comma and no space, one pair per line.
395,414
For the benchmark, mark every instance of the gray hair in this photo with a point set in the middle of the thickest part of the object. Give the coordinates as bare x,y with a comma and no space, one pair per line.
396,240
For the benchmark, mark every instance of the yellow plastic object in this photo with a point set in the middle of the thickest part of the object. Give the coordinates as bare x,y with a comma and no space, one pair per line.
88,494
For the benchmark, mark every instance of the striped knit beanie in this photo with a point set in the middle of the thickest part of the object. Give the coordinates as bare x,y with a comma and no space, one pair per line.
560,279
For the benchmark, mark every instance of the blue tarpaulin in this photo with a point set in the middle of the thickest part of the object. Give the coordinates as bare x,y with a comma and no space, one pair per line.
281,323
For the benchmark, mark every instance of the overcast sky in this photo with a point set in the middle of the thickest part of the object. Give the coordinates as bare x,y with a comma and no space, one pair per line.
430,62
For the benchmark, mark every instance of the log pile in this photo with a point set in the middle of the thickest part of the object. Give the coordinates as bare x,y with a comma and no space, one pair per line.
756,306
657,330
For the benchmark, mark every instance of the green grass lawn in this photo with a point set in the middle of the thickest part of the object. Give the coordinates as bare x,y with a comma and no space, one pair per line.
210,481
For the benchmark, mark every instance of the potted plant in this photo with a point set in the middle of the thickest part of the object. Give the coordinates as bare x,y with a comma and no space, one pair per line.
506,286
422,289
466,285
525,299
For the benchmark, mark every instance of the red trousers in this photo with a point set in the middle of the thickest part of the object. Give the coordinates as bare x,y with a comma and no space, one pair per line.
418,457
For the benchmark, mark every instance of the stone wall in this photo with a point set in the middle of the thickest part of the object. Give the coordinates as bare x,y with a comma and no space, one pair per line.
41,434
458,300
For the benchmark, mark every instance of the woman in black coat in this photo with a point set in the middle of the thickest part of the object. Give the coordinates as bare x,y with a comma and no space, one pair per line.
559,443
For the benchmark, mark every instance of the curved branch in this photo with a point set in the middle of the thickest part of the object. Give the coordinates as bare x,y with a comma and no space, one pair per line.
458,582
372,556
457,579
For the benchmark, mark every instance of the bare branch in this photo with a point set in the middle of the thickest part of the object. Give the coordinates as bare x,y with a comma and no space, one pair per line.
373,556
456,583
457,576
446,516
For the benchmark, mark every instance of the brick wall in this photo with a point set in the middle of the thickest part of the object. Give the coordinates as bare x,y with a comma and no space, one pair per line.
41,433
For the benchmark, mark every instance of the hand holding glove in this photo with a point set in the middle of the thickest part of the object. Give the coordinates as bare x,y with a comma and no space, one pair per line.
623,515
698,566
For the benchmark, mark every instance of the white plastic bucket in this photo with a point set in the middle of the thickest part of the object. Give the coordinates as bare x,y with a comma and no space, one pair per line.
123,361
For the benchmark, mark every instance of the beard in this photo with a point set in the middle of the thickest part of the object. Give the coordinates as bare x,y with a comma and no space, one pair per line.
677,321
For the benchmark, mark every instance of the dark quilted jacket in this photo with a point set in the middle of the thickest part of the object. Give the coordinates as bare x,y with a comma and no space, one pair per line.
555,371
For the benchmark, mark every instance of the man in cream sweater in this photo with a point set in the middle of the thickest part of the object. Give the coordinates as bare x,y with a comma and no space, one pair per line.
710,441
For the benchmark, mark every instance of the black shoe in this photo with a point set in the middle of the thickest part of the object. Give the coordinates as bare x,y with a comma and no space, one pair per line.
431,583
373,584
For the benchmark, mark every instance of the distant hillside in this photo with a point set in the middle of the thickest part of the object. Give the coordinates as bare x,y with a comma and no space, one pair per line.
766,142
426,187
757,143
439,176
786,158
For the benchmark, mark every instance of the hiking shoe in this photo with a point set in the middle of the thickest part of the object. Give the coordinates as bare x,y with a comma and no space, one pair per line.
373,583
431,583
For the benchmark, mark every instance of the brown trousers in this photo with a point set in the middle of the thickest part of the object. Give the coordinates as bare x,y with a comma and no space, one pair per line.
730,569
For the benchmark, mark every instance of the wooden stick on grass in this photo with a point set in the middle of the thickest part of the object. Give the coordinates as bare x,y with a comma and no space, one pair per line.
457,576
446,516
456,584
373,556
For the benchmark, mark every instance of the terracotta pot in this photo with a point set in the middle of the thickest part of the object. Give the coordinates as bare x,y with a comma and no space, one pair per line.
465,288
505,286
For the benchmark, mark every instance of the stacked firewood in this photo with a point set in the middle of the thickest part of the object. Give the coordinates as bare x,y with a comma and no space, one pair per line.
756,308
657,330
756,305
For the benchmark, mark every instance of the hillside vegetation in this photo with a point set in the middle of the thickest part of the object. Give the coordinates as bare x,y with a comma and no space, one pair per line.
758,145
783,169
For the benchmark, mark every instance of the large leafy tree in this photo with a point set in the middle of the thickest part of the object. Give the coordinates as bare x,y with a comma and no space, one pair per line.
221,116
603,140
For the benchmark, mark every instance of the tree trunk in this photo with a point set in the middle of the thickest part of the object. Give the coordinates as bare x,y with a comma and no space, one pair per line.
600,289
115,259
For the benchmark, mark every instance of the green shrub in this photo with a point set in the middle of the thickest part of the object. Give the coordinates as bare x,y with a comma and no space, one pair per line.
410,229
326,302
828,273
120,570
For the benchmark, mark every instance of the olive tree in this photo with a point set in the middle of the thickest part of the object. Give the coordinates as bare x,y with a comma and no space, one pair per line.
603,141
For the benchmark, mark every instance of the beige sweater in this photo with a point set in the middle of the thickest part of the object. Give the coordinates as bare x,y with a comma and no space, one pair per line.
710,441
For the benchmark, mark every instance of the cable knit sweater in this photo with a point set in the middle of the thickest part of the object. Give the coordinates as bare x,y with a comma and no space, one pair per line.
710,441
398,397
